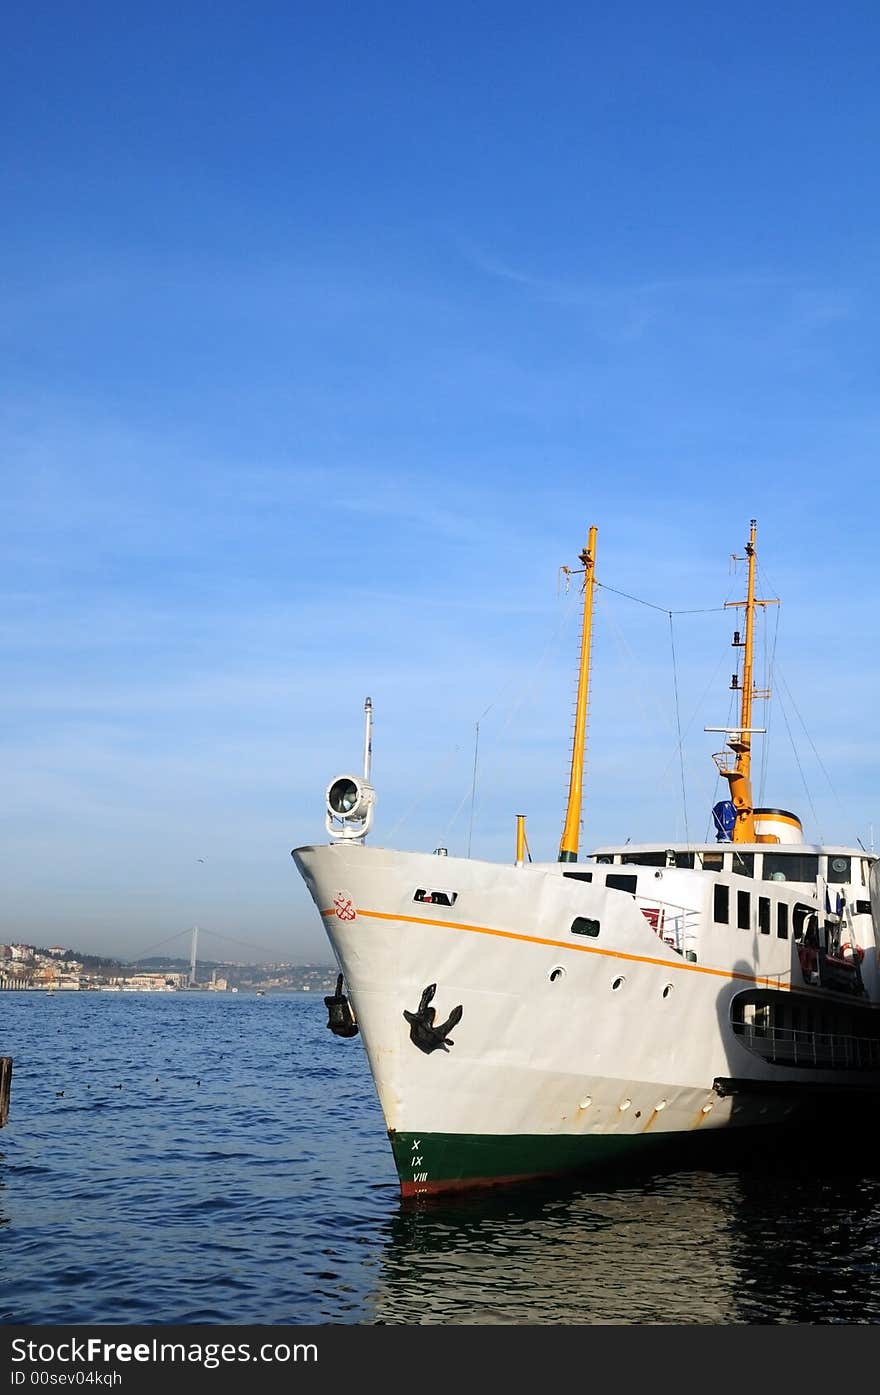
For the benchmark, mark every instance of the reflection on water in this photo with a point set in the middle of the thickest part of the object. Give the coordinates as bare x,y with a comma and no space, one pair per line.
792,1239
209,1158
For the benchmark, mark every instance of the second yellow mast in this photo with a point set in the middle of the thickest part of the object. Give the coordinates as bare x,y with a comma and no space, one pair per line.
740,777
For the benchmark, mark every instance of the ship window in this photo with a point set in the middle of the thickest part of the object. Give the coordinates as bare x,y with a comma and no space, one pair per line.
581,925
782,921
713,861
618,881
579,876
722,904
743,910
764,914
802,918
838,869
790,867
435,898
743,864
863,908
646,859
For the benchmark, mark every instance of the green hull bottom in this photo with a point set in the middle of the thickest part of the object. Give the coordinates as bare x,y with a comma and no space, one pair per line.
429,1163
816,1115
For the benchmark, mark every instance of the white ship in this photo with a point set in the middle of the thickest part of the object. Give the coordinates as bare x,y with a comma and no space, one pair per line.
534,1019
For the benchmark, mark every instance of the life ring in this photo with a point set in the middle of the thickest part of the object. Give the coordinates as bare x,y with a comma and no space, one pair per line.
849,951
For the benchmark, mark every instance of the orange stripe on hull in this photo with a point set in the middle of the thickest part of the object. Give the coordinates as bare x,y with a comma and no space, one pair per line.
685,966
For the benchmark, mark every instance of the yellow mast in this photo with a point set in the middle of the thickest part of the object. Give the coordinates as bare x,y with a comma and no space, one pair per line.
740,777
568,846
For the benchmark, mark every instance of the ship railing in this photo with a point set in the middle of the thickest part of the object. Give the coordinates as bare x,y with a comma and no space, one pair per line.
797,1047
675,925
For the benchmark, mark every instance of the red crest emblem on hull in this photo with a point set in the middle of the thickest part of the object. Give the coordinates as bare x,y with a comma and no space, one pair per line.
344,906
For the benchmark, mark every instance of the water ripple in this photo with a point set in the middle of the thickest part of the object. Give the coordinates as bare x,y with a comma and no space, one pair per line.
219,1159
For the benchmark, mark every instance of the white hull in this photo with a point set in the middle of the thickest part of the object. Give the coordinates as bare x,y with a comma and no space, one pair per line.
592,1043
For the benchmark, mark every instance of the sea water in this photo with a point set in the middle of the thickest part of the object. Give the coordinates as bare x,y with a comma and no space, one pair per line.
219,1158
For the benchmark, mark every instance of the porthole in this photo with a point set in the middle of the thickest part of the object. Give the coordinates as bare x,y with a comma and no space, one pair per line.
624,1105
556,974
586,1102
667,989
618,983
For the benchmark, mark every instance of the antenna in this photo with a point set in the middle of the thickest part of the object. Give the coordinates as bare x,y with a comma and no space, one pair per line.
473,786
368,738
474,779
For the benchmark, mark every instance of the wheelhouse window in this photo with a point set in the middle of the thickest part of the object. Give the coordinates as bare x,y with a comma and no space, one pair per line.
713,861
791,867
579,876
763,914
782,921
721,911
582,925
838,869
743,910
646,859
743,864
617,881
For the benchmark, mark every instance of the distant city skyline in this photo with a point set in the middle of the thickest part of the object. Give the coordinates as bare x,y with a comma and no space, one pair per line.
328,334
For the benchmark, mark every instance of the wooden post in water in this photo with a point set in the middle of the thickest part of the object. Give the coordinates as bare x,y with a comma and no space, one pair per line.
5,1086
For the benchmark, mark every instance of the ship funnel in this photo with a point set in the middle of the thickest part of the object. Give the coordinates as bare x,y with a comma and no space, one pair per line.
777,826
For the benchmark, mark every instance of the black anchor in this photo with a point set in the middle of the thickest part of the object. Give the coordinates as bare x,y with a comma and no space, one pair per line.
341,1018
422,1032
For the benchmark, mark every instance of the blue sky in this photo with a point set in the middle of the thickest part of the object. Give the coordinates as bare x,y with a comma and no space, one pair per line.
328,332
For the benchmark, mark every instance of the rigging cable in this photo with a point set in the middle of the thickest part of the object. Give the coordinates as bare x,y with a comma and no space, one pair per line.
798,763
731,704
687,838
526,694
774,670
769,670
843,811
704,610
707,610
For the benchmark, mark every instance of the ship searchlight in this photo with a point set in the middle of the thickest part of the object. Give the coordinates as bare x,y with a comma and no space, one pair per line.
350,801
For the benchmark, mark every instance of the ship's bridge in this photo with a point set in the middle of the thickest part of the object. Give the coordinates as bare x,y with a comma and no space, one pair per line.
803,863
